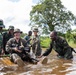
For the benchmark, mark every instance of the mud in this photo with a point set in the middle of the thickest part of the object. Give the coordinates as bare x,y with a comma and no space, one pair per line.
54,66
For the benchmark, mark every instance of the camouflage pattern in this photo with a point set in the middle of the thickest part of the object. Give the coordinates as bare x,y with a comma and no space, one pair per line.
17,30
1,36
12,44
61,46
6,37
36,48
16,59
11,27
1,42
1,23
21,45
35,30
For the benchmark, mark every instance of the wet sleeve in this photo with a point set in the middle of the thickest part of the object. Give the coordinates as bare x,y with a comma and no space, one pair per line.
48,51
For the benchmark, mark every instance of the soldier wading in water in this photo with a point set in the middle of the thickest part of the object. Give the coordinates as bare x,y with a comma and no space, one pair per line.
60,45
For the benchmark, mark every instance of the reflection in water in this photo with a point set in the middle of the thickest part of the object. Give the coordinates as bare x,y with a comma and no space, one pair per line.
54,66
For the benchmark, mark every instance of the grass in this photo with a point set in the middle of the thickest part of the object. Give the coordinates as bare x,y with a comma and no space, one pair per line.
72,44
45,42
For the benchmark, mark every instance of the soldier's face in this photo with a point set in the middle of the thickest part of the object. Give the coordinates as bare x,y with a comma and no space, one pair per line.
17,35
52,36
35,33
30,33
11,31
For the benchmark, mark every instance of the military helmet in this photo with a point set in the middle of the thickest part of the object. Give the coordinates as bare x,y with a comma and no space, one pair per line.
35,30
1,23
17,31
11,27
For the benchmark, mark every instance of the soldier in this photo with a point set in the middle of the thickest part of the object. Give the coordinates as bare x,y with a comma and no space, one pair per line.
36,48
28,39
6,36
60,45
1,37
16,46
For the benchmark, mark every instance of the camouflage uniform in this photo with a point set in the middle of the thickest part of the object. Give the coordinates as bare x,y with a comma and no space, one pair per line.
61,46
12,44
36,48
1,36
23,55
6,36
1,42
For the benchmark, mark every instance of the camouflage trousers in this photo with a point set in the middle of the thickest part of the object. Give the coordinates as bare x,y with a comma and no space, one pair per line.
27,58
36,48
14,56
67,54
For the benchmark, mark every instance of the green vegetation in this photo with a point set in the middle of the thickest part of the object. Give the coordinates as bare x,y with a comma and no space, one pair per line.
51,15
70,36
23,34
45,42
72,44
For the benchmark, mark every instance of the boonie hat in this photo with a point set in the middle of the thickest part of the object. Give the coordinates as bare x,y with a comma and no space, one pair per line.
35,30
11,27
17,31
1,23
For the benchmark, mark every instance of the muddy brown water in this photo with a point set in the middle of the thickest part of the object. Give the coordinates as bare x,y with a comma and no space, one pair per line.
54,66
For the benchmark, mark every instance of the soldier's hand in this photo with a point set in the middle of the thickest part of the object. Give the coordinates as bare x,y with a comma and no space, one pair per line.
15,49
2,52
40,56
19,51
30,45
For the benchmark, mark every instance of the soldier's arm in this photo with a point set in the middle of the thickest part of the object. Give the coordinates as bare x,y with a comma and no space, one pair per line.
8,46
4,40
48,51
2,47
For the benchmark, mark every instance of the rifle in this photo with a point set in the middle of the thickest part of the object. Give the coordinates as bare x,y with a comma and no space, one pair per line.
22,46
27,53
28,41
31,57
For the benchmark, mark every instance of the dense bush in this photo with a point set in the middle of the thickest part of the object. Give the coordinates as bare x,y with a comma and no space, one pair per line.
45,42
